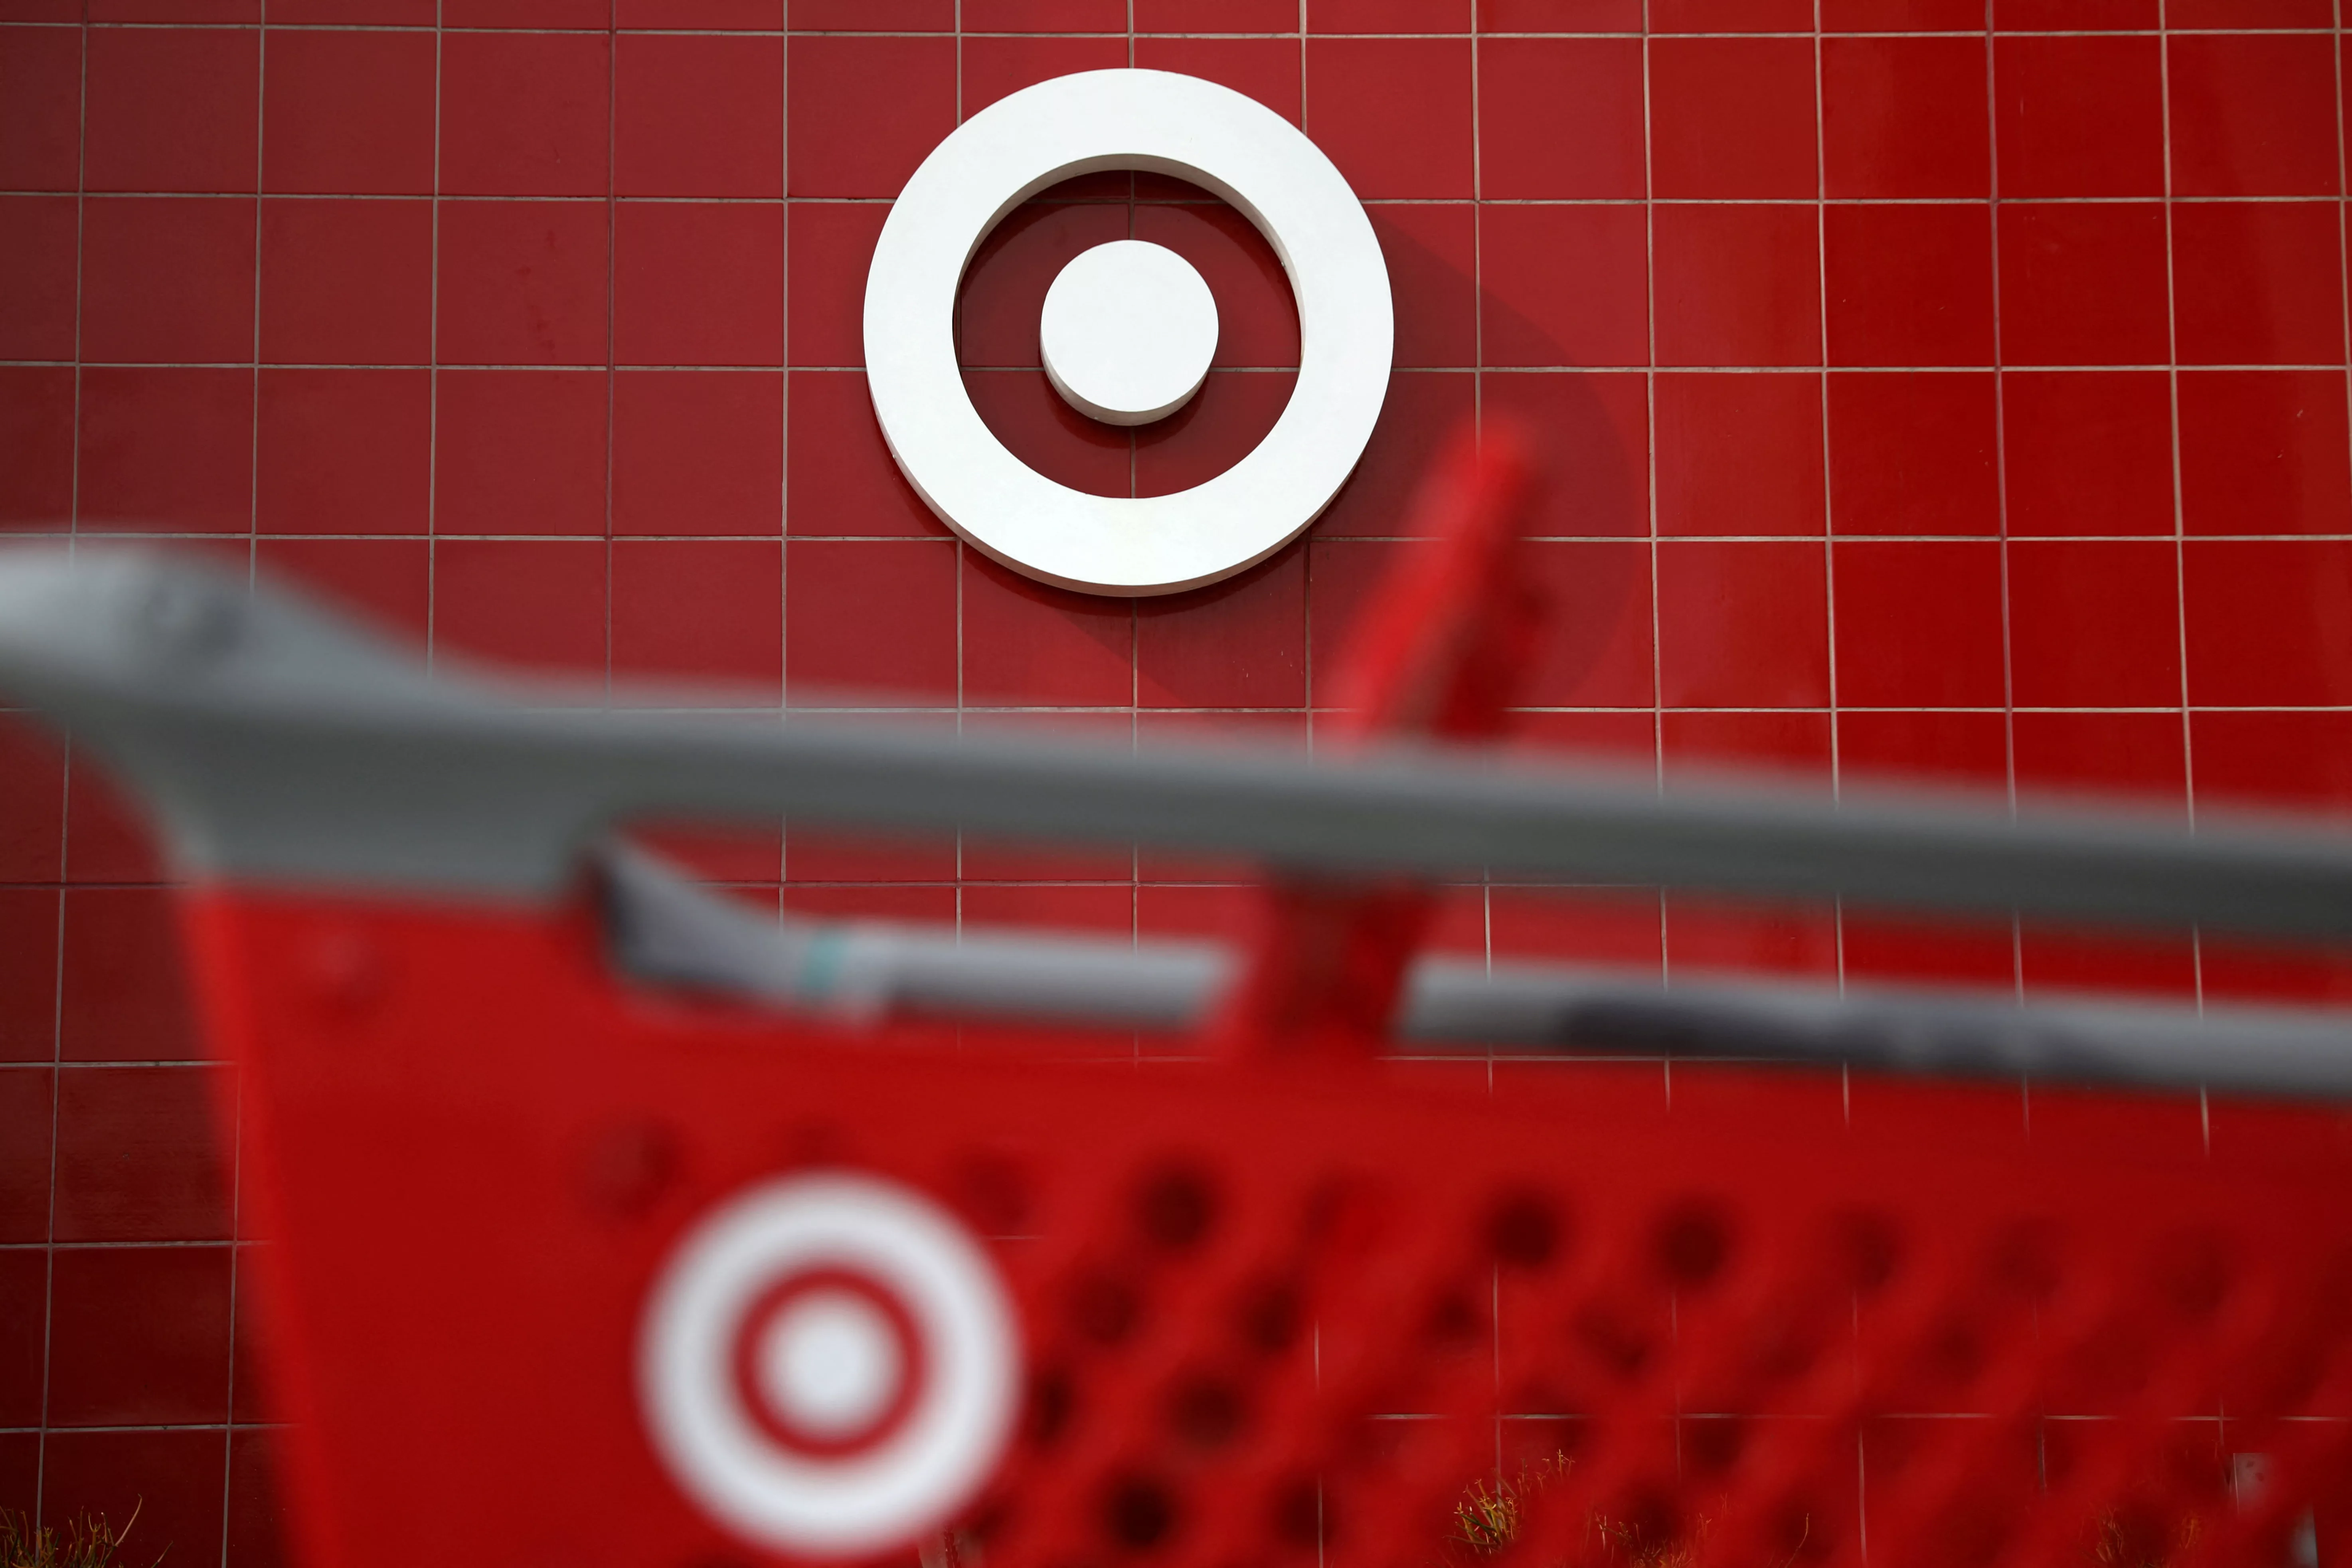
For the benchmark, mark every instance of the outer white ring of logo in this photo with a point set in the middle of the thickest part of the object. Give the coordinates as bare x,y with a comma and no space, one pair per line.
1170,124
929,1464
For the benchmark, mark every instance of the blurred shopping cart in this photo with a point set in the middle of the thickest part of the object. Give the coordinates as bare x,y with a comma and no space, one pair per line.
615,1223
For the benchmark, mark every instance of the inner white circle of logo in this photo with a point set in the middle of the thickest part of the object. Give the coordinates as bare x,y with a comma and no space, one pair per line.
1169,124
813,1229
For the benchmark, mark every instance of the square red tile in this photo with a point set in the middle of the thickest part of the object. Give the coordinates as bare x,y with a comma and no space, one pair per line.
122,985
1933,745
1421,409
32,800
1905,118
2082,284
526,114
167,279
343,451
2236,15
1216,15
1429,251
1740,454
698,284
1561,15
2076,15
1742,625
38,276
840,142
1046,16
998,67
520,452
1257,317
870,619
171,109
2263,451
1789,749
388,583
1343,576
1927,953
1732,118
346,13
2093,623
1241,643
348,112
696,453
530,602
699,115
1621,928
166,449
1561,117
137,1155
173,1479
1589,434
1702,935
1730,17
37,446
884,16
1918,623
1355,90
2066,757
347,282
28,988
2088,451
709,612
1386,16
193,12
1902,16
139,1336
534,14
831,244
1737,285
1914,452
2253,115
109,839
1267,69
1029,644
1224,422
2265,622
1594,650
1527,319
1005,285
2079,116
40,108
523,283
2258,282
1909,284
2300,759
842,481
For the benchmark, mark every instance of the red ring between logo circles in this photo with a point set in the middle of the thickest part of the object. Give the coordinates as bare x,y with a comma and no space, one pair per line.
777,1425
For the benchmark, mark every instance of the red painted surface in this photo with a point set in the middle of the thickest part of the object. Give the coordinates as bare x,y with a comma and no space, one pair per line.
1920,400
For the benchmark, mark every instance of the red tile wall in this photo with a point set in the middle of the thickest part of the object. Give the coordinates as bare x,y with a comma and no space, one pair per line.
1932,388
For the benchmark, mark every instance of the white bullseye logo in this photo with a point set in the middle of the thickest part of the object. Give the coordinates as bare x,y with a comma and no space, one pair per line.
1128,333
829,1365
1127,330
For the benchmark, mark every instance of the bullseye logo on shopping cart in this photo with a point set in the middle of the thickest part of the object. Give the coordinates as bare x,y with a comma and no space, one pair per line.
1127,330
829,1365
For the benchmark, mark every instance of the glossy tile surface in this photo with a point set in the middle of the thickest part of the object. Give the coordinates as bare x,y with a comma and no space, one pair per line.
1938,390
